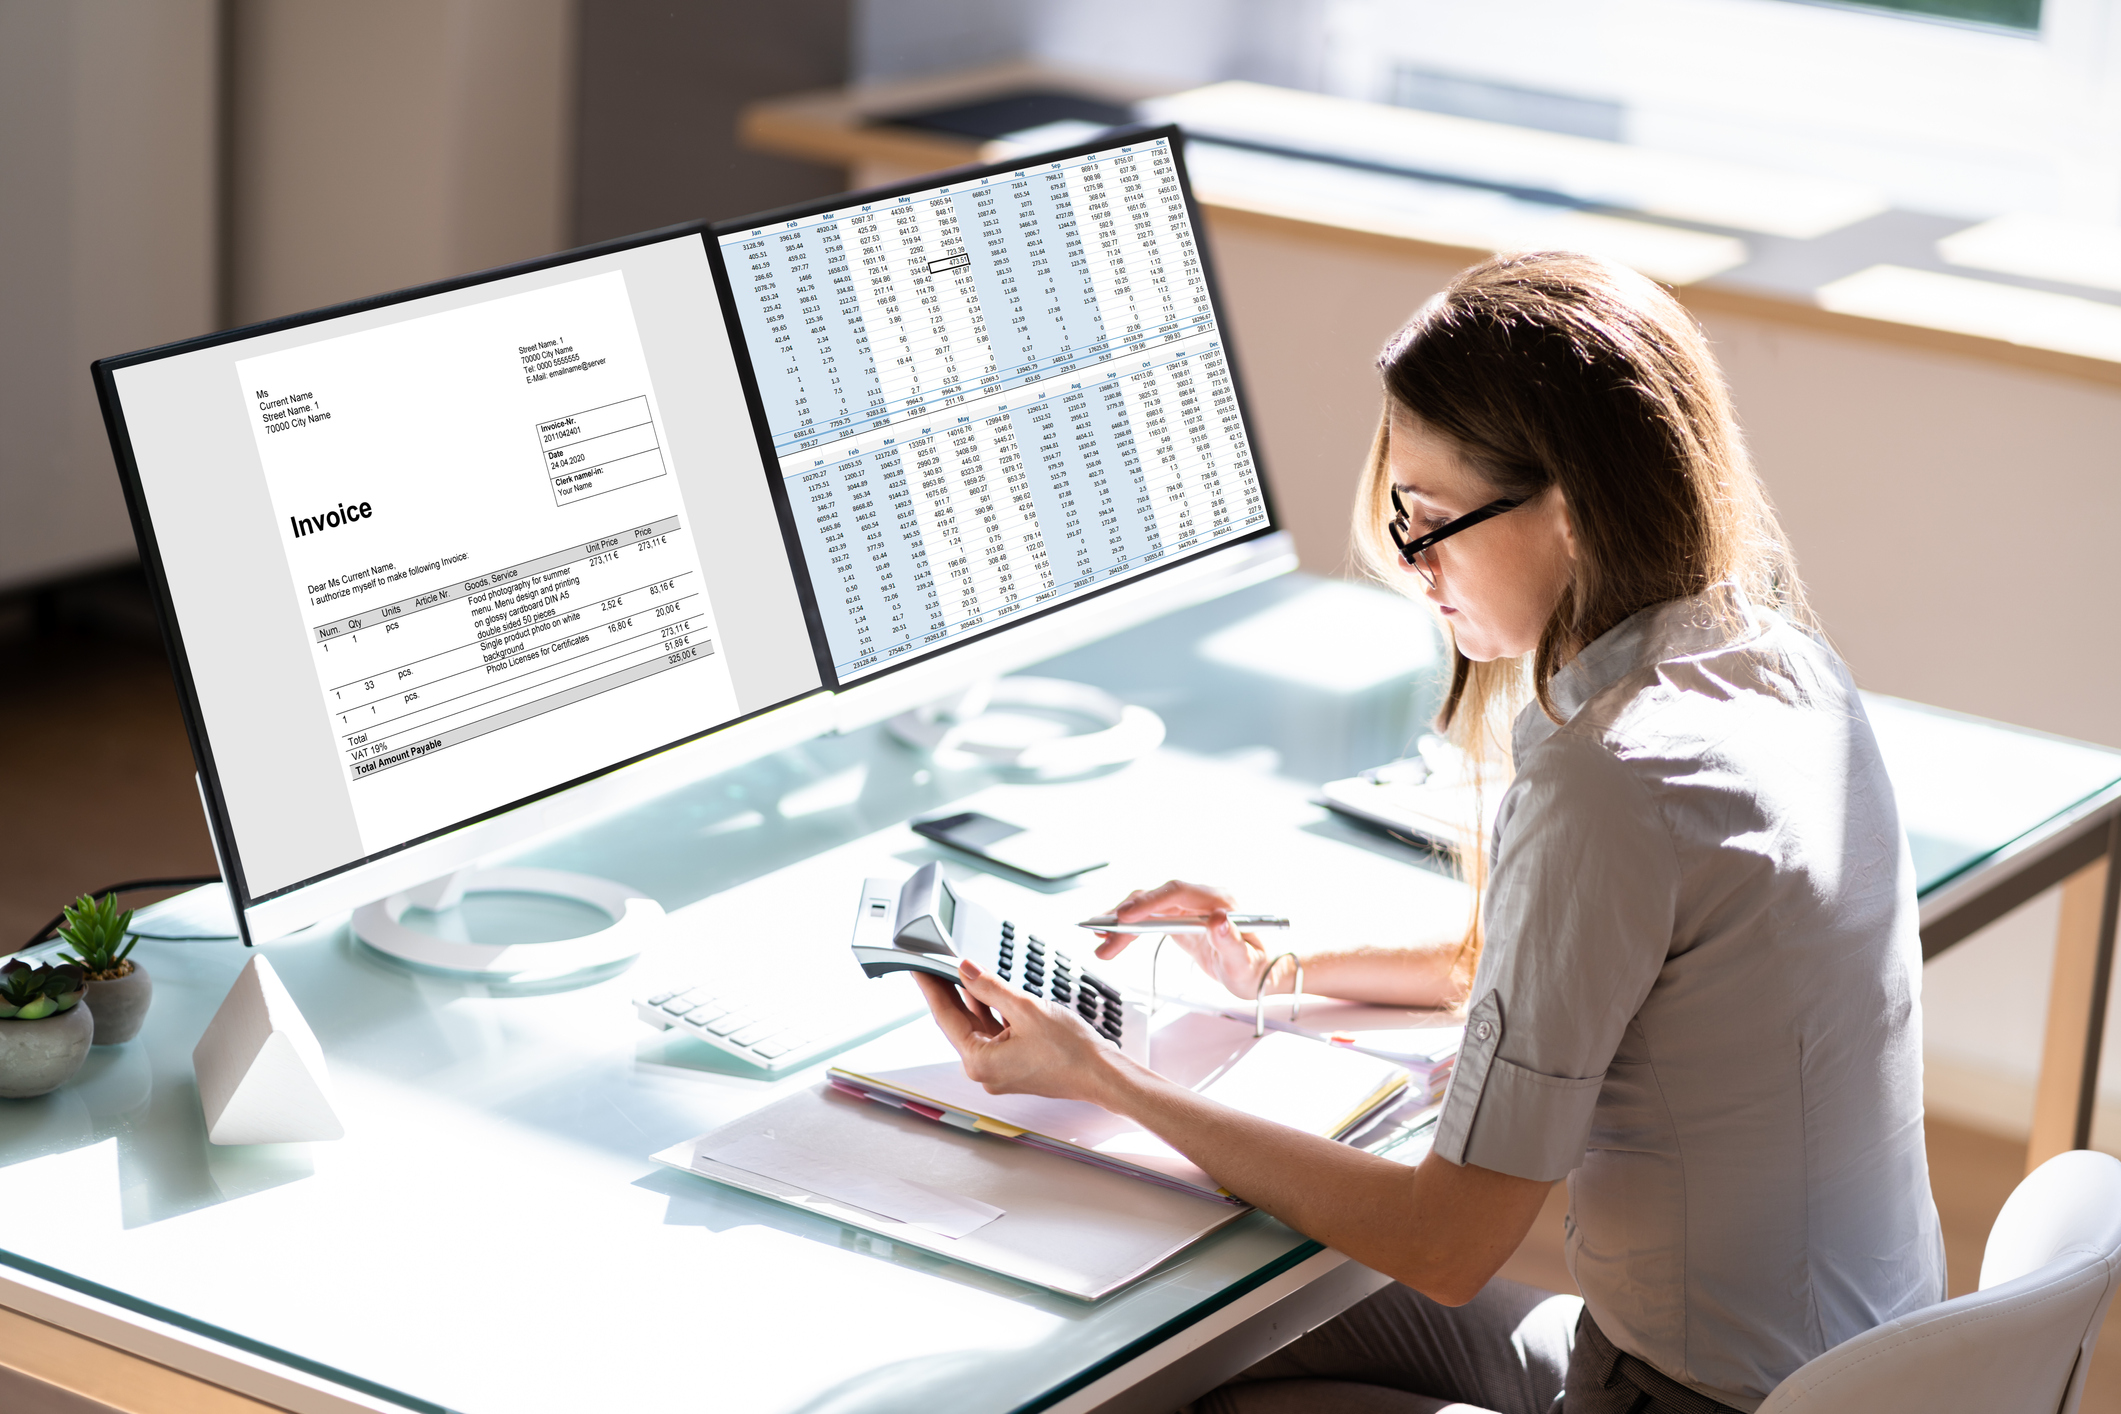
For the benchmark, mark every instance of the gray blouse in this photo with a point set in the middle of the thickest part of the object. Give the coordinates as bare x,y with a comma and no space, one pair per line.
1699,1000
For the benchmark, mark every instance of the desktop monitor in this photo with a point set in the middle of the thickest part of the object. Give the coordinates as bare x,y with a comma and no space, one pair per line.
453,569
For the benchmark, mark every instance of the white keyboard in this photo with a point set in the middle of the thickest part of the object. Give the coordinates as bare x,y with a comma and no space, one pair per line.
759,1026
754,1010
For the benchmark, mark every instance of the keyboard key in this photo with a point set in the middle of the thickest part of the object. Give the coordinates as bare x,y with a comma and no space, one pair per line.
660,997
678,1007
774,1047
757,1031
705,1013
724,1025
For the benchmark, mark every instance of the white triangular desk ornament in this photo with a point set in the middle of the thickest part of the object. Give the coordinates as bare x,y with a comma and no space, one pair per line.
260,1070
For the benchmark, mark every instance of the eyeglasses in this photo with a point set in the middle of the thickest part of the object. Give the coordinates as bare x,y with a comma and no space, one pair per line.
1416,552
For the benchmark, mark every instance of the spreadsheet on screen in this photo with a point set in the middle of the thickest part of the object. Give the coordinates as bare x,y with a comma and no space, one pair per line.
990,396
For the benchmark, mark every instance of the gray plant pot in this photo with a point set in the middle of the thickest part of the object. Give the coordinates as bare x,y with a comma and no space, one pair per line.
120,1005
37,1057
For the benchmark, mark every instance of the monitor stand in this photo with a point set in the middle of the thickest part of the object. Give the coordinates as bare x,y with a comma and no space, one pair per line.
636,921
1022,723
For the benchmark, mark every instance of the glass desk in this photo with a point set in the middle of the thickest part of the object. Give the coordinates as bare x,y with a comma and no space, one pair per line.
491,1234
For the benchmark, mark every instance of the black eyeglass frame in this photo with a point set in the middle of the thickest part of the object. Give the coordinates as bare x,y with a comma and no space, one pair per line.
1411,550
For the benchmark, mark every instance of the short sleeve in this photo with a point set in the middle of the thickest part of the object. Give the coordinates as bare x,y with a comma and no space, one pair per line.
1579,913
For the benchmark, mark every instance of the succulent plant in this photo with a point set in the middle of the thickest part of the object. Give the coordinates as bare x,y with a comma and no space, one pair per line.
30,993
97,931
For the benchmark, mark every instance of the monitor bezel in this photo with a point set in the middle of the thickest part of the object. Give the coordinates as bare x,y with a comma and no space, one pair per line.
227,845
1108,140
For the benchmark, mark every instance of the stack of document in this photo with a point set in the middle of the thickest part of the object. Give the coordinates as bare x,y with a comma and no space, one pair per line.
1328,1090
1080,1231
900,1144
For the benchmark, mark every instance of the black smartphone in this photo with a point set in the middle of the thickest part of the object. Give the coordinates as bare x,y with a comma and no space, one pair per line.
1043,854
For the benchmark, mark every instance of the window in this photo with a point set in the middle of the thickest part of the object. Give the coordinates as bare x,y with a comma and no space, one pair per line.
2016,107
2009,14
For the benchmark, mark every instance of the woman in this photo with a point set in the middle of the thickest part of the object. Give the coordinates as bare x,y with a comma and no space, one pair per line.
1697,960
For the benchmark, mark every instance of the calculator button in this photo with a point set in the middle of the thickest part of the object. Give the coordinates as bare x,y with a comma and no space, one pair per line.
724,1025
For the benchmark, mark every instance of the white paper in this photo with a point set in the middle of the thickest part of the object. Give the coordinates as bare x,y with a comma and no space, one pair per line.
1300,1083
946,1214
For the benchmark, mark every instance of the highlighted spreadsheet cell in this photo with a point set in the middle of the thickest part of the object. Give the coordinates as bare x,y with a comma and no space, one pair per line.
590,453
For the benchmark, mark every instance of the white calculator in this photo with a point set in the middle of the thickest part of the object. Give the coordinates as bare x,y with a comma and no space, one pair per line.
922,925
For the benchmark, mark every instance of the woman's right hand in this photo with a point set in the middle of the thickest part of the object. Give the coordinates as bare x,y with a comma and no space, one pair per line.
1237,960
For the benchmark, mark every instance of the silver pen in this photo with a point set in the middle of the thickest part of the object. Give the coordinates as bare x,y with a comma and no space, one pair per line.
1183,923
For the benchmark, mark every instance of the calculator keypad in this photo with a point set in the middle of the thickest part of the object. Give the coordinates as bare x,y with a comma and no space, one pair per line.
1052,974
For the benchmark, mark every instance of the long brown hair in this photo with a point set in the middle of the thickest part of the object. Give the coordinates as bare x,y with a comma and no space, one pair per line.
1558,370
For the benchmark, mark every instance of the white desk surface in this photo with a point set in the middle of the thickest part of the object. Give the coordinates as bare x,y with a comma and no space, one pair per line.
491,1235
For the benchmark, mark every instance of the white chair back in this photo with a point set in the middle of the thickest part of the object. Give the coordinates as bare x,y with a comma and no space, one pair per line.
2023,1342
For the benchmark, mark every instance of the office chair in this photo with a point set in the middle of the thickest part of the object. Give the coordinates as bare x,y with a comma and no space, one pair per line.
2023,1342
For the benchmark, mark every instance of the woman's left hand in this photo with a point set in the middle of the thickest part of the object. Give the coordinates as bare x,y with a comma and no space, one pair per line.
1015,1044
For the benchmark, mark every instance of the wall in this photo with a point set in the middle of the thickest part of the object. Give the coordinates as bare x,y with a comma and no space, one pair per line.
1179,42
1954,519
107,243
388,143
1984,1009
370,147
660,89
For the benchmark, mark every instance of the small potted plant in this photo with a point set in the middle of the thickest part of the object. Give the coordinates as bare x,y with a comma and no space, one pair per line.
119,989
44,1030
